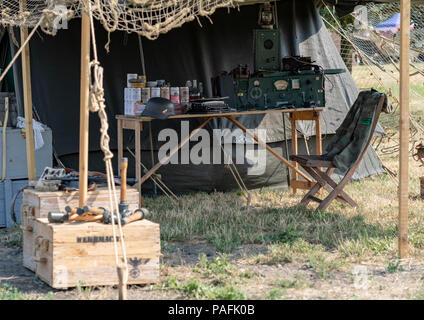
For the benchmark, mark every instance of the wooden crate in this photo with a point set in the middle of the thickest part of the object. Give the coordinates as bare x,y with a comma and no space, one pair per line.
75,253
37,204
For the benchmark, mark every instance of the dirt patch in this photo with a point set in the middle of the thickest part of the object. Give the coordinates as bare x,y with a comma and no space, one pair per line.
258,281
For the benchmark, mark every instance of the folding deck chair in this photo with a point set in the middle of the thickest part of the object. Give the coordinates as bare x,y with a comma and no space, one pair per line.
312,164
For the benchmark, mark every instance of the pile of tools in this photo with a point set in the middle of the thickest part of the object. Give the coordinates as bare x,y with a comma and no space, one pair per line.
100,214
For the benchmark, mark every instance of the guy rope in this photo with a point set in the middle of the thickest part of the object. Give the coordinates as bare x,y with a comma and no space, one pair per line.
97,104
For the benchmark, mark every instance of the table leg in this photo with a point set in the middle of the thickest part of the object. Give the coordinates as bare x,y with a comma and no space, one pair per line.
267,147
294,149
120,144
318,133
172,152
138,158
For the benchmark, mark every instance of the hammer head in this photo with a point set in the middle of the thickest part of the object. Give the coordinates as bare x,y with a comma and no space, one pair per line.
57,217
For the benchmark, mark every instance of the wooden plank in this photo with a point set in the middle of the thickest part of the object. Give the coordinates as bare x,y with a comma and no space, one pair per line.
27,92
318,136
220,115
71,194
405,10
300,184
130,124
84,111
68,262
137,146
120,144
294,150
307,115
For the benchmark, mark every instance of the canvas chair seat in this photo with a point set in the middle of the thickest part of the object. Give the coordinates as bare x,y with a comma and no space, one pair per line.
345,150
312,160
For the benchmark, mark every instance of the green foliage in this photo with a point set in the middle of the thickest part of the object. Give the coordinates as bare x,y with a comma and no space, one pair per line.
11,237
292,283
276,294
216,267
7,292
394,266
196,289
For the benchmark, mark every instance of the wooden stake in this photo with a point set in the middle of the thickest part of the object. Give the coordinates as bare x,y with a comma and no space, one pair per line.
84,111
405,10
26,84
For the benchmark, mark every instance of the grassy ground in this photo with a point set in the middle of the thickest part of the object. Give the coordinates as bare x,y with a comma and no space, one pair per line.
217,248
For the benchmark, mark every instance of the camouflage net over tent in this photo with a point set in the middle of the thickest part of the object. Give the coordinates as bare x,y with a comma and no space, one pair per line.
148,18
369,45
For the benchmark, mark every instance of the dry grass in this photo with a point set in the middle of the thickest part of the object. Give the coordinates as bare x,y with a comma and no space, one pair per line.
277,249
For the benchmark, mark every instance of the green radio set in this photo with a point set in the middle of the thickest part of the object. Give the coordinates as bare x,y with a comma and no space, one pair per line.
291,82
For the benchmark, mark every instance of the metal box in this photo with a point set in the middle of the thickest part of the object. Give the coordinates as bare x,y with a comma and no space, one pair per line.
267,50
280,89
16,161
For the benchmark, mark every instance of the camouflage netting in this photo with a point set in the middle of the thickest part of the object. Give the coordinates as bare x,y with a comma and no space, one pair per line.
148,18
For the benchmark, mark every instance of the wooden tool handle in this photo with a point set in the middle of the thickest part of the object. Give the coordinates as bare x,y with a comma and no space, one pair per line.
86,218
124,167
73,217
91,218
137,215
94,210
70,210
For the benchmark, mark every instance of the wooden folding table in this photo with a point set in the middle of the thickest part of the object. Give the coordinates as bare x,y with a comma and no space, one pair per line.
136,123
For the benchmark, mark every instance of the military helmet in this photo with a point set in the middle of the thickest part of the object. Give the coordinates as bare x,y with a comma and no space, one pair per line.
159,108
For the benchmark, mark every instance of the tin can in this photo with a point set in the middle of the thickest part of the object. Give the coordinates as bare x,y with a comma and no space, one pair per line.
184,95
131,76
164,92
175,94
142,79
155,92
145,94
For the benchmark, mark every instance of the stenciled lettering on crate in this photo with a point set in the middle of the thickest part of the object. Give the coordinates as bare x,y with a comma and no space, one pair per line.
72,253
37,204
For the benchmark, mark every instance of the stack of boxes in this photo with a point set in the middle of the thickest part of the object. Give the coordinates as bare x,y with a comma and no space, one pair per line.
132,96
138,92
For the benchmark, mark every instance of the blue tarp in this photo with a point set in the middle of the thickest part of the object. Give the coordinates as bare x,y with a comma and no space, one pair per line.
392,24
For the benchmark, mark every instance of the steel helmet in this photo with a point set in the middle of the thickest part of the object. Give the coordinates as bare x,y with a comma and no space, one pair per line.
159,108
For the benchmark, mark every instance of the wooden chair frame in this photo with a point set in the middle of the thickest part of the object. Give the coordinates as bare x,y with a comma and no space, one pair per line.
312,164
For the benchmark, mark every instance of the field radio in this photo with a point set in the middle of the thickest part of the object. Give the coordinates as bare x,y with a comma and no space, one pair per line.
291,82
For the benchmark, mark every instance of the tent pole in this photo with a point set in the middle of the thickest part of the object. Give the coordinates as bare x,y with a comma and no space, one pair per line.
405,10
26,84
84,111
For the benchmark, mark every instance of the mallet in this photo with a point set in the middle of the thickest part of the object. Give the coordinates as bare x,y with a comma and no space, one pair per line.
138,214
57,217
123,204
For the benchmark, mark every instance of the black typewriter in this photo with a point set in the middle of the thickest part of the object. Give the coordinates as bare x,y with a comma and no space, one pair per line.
210,106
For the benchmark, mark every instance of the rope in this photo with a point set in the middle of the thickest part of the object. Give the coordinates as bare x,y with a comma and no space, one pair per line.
20,50
97,104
